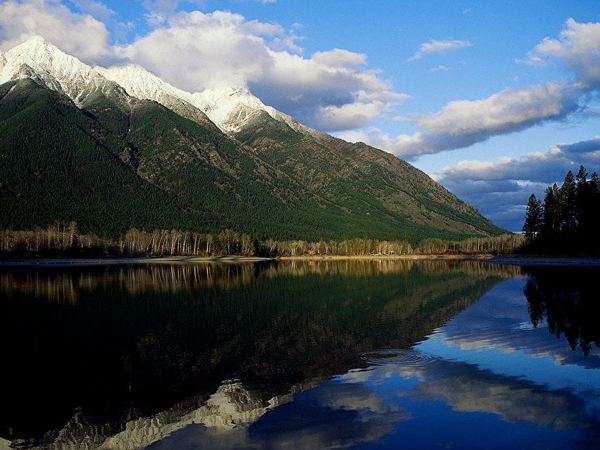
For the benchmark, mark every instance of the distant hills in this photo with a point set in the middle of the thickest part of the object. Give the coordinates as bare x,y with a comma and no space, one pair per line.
118,148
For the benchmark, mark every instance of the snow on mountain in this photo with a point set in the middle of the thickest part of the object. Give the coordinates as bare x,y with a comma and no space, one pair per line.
41,61
231,108
140,83
144,85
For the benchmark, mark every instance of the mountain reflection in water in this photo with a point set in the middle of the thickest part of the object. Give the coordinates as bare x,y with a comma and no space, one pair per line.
317,354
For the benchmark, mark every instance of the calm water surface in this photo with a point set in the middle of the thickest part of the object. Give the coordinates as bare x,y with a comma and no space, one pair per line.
367,354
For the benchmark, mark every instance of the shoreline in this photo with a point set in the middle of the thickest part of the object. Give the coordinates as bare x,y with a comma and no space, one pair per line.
384,257
110,261
547,261
116,261
516,260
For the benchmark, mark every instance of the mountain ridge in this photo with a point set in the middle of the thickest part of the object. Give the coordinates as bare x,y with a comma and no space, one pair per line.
252,168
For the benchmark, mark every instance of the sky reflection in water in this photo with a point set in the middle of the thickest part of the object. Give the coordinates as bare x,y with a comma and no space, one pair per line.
486,379
300,355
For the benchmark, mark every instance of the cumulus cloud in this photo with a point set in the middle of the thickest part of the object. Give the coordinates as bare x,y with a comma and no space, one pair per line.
543,167
578,48
198,51
339,58
434,46
501,112
499,189
330,90
384,141
463,123
52,20
96,9
350,115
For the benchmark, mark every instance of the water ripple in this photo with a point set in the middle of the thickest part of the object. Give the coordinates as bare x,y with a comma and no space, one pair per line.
400,357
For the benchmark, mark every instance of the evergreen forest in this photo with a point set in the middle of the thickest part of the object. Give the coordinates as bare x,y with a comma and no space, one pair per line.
112,164
566,220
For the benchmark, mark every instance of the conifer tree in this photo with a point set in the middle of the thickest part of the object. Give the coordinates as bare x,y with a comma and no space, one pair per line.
570,216
568,205
533,217
551,210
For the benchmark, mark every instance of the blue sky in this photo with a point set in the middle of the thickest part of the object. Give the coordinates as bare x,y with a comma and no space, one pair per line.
495,100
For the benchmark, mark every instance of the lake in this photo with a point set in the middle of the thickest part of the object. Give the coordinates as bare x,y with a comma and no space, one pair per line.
300,354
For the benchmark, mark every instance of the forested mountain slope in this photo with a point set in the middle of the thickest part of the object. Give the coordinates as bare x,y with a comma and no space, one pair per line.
76,145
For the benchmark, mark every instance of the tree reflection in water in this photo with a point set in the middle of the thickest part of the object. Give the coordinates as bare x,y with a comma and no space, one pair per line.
104,346
567,300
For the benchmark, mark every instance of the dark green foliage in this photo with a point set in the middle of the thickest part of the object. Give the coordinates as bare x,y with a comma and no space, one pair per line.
383,193
570,217
533,217
113,163
53,168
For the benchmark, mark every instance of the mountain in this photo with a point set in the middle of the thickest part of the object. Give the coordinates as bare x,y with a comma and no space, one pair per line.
119,147
42,62
144,85
230,108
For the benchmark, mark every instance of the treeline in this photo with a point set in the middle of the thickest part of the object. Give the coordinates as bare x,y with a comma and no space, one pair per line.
63,239
567,220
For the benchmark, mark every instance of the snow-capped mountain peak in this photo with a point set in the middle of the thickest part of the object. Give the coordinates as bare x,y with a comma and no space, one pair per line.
234,107
230,108
38,59
141,83
144,85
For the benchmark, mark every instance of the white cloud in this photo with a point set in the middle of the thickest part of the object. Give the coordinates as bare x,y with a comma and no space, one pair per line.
440,69
77,34
331,90
198,51
350,115
377,138
96,9
578,48
339,58
499,189
463,123
506,111
434,46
